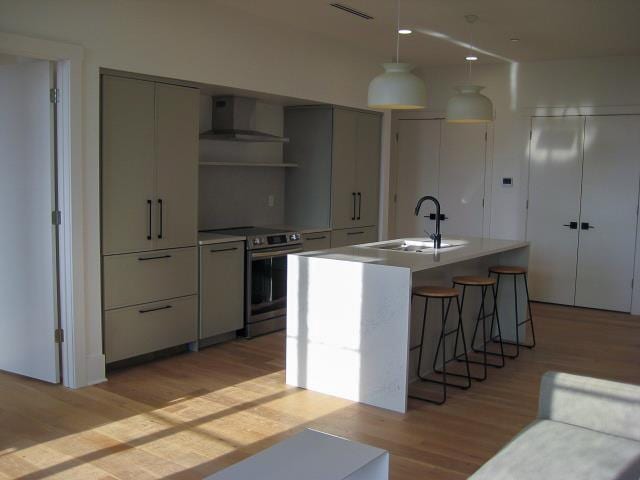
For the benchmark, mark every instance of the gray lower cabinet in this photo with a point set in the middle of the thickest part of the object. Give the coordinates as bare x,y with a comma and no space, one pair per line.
140,329
149,276
353,236
316,241
221,288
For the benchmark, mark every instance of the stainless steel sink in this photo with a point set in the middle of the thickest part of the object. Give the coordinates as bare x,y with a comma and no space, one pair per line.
414,246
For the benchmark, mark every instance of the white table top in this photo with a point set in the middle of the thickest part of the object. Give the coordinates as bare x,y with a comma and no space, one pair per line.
309,455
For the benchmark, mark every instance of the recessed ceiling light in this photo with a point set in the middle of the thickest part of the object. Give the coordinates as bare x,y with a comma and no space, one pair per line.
514,39
405,31
471,58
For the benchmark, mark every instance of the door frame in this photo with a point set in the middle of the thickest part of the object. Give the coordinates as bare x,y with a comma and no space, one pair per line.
395,156
68,59
587,111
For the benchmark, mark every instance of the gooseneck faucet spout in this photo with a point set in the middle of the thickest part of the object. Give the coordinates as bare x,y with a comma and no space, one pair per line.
437,238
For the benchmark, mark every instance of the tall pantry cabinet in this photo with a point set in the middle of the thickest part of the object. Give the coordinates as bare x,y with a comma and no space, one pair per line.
336,184
149,167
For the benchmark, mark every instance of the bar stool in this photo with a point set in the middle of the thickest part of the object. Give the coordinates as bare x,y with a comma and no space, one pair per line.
484,283
442,293
515,272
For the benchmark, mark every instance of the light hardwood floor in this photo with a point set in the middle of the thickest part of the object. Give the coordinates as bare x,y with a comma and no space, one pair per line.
188,416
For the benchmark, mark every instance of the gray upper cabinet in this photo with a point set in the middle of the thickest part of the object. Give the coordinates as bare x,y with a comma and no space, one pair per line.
128,160
344,200
337,151
368,169
149,165
177,165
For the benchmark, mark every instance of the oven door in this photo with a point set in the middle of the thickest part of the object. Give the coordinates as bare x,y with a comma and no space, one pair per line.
267,289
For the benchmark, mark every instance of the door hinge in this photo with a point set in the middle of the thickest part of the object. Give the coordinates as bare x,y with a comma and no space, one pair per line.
632,283
59,335
397,137
54,95
485,136
530,134
527,205
395,198
56,217
483,203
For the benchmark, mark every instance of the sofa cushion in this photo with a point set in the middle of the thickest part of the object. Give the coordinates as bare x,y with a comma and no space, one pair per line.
557,451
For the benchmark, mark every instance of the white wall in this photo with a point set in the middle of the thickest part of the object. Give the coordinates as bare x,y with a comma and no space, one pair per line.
516,90
195,40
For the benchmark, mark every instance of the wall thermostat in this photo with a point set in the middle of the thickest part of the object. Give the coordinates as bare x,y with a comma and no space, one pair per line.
507,181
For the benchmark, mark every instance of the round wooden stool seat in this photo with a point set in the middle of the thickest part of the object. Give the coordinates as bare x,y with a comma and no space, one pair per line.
508,270
474,281
435,292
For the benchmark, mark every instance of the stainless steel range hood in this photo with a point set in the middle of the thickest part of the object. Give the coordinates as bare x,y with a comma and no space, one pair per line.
234,119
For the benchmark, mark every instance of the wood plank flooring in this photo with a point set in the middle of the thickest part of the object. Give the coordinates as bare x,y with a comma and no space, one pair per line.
188,416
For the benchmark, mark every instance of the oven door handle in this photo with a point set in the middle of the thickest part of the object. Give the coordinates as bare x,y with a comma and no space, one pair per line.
272,254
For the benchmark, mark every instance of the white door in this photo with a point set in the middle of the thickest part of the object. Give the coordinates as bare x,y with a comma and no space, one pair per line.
462,172
608,216
555,168
28,285
417,174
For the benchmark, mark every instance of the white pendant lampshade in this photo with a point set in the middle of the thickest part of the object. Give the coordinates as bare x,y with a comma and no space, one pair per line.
397,89
469,106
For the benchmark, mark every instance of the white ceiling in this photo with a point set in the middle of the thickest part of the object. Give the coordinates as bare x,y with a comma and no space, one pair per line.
548,29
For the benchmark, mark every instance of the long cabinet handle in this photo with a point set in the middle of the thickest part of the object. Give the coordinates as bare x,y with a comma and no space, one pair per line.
149,206
213,250
149,310
353,194
158,257
355,233
160,204
359,204
316,238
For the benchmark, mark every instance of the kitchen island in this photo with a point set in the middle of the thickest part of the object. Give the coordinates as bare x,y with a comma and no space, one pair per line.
351,320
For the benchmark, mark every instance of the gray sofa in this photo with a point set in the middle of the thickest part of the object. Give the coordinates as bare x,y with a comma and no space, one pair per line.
586,429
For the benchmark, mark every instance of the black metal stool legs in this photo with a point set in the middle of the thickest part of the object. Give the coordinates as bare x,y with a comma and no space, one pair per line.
441,343
518,344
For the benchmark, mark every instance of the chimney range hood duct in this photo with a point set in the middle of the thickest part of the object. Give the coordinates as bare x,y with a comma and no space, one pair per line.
234,119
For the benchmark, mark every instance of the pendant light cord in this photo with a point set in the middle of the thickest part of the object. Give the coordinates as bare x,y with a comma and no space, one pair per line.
398,32
470,50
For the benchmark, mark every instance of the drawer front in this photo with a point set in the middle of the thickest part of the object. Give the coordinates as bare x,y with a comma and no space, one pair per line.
137,278
353,236
221,288
316,241
133,331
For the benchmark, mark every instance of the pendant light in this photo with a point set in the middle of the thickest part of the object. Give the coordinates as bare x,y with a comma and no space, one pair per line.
397,88
469,105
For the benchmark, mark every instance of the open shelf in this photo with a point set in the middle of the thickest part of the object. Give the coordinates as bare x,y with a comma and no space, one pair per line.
249,164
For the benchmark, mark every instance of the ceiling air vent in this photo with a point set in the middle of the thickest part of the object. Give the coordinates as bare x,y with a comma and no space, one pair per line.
352,11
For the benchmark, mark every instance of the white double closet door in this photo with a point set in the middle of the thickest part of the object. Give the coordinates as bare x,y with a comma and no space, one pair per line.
582,216
447,161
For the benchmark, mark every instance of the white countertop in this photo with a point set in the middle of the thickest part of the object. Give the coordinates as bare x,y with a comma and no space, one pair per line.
209,238
461,249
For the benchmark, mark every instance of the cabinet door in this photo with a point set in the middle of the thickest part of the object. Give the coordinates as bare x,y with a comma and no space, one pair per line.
343,168
555,168
461,179
128,164
608,212
353,236
368,169
221,288
417,167
177,166
316,241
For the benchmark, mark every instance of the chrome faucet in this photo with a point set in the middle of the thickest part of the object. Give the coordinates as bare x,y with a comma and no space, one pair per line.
437,238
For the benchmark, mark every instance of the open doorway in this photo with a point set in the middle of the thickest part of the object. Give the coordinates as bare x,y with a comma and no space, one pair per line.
29,287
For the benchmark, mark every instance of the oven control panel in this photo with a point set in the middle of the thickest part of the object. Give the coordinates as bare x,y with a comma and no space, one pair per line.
266,241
